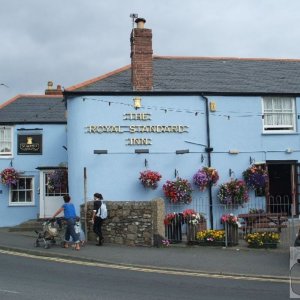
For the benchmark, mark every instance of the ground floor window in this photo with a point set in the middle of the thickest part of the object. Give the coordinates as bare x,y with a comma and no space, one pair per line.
22,193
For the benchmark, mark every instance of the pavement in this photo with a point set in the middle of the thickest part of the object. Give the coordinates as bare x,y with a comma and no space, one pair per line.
237,261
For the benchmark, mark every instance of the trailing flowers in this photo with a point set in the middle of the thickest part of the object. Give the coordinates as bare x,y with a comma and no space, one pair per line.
149,179
256,177
178,191
205,176
234,192
9,176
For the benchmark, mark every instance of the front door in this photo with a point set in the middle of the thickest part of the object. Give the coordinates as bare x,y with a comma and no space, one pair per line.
281,185
51,199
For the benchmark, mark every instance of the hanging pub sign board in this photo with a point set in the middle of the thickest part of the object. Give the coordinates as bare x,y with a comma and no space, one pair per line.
30,144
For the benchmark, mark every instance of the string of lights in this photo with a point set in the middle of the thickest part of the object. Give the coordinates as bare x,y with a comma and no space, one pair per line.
182,110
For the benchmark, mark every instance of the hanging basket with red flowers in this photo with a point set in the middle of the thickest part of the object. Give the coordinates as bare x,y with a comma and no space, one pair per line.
178,191
9,176
149,179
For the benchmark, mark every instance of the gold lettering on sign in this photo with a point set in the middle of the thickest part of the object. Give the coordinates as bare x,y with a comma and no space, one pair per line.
138,141
137,129
137,117
103,129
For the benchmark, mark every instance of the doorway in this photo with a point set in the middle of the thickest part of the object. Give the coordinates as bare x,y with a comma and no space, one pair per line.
50,198
281,183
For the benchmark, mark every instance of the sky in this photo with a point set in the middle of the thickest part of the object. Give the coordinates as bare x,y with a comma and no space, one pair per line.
70,41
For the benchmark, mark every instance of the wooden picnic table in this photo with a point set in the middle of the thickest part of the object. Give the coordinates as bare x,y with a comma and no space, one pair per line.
263,220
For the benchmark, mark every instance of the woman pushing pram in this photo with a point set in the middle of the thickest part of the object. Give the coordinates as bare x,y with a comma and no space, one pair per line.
70,217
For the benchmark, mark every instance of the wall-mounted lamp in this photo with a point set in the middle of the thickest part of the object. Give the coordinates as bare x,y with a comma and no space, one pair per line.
137,102
100,151
233,151
182,151
139,151
146,162
212,106
230,172
289,150
251,160
202,158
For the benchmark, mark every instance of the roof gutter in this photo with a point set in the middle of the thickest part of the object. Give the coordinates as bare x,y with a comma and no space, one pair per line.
67,93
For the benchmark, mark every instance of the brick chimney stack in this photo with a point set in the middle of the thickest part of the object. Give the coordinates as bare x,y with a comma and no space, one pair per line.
51,91
141,57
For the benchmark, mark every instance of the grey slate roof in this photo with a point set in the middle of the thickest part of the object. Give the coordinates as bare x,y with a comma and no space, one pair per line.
211,75
33,109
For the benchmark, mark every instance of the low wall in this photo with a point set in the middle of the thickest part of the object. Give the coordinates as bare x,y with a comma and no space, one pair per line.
133,223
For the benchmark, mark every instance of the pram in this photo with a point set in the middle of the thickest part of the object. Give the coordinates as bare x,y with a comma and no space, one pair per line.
52,232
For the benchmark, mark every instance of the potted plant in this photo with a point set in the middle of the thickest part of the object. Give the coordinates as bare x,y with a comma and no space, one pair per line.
233,193
231,224
195,222
9,176
205,176
211,237
149,179
256,178
262,239
178,191
173,229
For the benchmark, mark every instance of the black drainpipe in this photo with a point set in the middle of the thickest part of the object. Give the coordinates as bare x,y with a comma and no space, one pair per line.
208,150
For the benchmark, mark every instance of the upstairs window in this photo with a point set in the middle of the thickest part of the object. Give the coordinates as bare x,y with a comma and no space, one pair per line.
279,114
5,141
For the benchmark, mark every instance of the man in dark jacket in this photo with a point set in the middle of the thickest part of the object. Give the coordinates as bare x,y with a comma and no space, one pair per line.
96,219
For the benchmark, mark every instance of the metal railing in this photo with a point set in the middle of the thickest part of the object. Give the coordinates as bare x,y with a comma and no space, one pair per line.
191,223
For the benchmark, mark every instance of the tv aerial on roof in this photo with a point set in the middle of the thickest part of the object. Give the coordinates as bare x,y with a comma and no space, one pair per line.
133,17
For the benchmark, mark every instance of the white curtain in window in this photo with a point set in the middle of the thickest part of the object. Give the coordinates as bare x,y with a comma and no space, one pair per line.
279,112
5,140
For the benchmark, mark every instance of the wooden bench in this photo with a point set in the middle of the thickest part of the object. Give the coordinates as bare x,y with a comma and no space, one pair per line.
263,221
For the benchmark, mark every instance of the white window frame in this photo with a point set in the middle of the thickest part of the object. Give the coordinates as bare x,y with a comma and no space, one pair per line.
15,188
8,153
279,128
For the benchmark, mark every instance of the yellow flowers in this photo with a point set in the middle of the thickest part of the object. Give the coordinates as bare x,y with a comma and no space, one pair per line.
262,239
211,236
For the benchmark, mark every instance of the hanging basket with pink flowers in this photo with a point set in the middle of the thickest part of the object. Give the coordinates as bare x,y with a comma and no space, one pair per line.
9,176
233,193
178,191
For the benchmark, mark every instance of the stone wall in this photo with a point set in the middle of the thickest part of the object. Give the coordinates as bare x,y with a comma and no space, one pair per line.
133,223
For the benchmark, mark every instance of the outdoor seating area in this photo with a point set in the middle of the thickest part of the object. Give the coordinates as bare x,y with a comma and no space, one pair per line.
253,221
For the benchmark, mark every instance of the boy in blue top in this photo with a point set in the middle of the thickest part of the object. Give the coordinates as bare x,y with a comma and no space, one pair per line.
70,217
